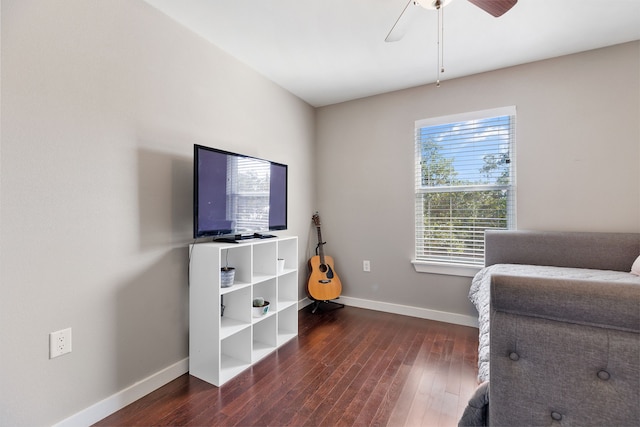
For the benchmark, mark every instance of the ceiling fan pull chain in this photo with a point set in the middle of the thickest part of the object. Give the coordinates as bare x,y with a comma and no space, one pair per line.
440,42
438,64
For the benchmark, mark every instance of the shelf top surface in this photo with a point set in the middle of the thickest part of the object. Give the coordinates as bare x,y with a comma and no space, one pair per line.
244,242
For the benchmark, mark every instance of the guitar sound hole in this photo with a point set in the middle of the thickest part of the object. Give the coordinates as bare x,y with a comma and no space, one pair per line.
323,268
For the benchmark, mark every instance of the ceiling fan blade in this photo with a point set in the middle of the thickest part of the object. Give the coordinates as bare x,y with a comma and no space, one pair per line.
495,7
402,23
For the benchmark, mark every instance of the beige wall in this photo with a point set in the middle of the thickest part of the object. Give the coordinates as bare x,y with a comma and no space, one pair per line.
578,145
102,102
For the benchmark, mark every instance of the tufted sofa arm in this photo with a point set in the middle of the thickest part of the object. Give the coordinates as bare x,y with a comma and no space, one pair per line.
564,352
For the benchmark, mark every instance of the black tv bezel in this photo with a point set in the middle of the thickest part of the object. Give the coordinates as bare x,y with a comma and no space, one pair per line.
219,233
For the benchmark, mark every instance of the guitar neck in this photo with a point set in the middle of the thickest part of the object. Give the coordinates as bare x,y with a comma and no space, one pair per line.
320,246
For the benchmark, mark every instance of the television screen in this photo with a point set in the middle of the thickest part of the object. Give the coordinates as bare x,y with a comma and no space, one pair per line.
237,195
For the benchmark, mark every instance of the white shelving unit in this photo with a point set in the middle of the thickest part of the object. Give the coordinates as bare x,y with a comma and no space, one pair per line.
223,343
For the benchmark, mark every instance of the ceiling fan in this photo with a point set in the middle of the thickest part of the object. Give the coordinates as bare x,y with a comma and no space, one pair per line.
496,8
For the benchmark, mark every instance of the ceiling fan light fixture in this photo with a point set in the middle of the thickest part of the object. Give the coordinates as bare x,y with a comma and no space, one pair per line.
432,4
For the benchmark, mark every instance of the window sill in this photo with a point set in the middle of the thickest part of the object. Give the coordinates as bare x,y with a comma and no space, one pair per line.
445,269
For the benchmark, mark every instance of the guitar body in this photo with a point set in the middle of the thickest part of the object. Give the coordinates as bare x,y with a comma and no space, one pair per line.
324,283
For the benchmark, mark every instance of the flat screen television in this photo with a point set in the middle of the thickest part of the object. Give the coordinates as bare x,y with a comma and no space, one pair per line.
236,196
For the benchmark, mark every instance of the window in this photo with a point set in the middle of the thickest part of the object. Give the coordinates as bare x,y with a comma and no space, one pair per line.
464,185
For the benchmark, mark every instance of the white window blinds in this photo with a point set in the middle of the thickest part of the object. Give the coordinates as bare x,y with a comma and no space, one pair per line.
464,184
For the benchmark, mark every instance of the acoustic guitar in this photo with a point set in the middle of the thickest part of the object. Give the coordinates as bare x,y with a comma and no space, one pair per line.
324,283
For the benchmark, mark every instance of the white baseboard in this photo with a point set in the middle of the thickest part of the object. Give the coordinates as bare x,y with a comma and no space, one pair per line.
111,404
303,303
406,310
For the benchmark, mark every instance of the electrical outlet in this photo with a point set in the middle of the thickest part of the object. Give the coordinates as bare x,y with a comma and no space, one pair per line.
366,265
59,343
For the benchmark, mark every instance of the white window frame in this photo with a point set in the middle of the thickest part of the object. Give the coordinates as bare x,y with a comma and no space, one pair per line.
461,268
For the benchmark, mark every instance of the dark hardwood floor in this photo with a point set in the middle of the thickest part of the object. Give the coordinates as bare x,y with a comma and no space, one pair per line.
348,367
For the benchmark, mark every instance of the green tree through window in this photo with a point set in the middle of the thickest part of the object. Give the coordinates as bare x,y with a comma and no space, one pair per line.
464,185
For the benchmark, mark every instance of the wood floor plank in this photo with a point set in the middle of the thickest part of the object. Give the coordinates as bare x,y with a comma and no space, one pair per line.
314,399
374,369
329,368
423,398
383,396
403,408
330,408
316,389
347,367
394,404
395,391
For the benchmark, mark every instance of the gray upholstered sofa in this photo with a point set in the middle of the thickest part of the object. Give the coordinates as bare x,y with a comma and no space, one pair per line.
564,342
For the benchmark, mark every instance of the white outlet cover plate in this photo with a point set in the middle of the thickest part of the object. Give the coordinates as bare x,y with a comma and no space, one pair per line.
59,343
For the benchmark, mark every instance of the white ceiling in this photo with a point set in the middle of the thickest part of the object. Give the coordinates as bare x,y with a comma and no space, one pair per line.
330,51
